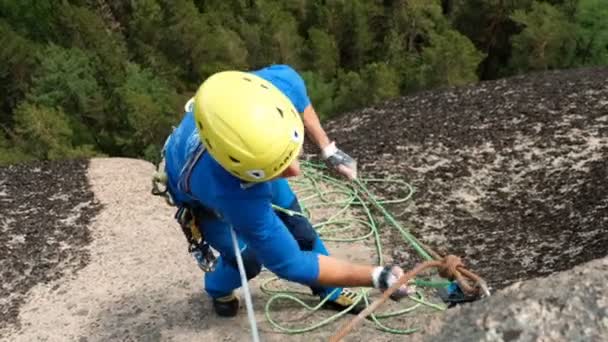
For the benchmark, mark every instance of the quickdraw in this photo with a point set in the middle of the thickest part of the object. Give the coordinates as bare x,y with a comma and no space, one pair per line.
197,246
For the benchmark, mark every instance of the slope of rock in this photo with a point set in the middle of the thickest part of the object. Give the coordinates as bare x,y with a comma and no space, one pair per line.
566,306
46,209
511,174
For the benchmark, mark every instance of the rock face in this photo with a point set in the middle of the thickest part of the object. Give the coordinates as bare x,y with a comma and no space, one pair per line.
566,306
45,212
510,174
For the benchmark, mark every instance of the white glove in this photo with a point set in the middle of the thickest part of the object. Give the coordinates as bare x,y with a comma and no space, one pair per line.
339,161
387,276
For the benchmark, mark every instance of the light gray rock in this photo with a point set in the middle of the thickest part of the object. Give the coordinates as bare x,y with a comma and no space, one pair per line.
565,306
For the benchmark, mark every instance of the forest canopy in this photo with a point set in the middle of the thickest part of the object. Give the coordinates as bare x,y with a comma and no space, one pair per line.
83,78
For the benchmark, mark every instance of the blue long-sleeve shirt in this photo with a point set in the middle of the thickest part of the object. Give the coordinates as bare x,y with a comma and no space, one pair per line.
247,208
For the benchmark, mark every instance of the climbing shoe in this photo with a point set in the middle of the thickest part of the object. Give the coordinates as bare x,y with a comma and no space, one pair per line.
227,306
345,300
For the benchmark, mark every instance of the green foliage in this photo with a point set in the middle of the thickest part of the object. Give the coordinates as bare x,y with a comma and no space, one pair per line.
591,22
35,19
222,49
321,93
451,59
356,37
10,154
83,28
45,133
145,38
381,82
16,65
349,91
280,34
74,83
65,79
547,40
147,102
324,54
489,25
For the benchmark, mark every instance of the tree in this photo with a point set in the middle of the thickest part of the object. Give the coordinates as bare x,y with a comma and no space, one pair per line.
280,34
381,82
415,20
65,79
220,49
547,40
423,49
45,133
350,86
355,37
145,41
150,107
451,59
84,29
201,44
592,32
321,93
17,62
34,19
253,38
489,25
11,154
323,52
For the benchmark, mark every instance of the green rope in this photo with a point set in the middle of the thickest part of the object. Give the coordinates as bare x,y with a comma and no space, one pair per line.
316,189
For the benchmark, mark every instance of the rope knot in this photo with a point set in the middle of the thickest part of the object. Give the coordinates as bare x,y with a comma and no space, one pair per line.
449,267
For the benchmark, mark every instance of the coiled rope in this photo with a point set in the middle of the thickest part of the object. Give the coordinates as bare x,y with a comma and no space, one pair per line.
317,189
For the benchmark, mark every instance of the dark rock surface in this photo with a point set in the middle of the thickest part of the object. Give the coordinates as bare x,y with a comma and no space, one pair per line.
510,174
45,213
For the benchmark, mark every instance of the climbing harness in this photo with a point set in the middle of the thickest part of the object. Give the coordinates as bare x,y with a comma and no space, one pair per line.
188,215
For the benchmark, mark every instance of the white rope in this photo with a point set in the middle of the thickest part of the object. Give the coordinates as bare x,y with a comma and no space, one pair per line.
239,260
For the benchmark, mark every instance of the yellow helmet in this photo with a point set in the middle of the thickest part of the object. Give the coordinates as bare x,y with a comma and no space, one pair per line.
248,125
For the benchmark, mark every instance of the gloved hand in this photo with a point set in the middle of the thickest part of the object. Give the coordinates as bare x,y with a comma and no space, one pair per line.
385,277
339,161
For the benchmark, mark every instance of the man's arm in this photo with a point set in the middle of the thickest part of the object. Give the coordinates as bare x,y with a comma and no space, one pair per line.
335,157
263,232
314,129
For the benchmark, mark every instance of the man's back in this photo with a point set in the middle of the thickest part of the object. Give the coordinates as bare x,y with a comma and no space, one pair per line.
207,173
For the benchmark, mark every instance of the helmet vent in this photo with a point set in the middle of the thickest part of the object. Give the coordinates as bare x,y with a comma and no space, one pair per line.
234,160
280,112
208,143
294,113
296,135
264,86
257,174
247,79
200,125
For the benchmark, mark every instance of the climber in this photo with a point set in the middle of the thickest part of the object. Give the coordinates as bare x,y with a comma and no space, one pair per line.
227,164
